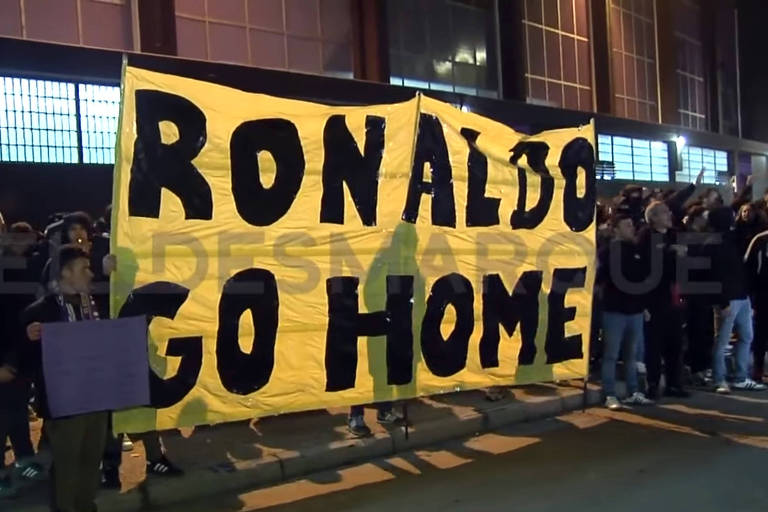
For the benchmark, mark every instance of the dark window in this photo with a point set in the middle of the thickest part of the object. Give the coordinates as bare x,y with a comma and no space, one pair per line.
633,59
447,45
558,53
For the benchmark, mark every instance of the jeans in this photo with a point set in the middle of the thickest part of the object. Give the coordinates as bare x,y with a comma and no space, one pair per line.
618,328
739,315
760,342
359,411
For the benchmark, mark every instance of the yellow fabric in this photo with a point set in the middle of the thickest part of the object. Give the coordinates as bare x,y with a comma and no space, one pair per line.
302,253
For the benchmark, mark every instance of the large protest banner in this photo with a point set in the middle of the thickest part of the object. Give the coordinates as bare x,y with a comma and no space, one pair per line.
295,256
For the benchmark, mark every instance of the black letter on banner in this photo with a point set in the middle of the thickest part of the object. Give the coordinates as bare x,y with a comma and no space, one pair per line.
164,299
431,147
579,212
536,154
481,210
257,205
344,164
255,290
448,357
499,307
345,325
157,165
557,346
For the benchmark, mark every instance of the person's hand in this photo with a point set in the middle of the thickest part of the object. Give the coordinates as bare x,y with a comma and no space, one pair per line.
35,331
7,374
700,177
647,315
109,263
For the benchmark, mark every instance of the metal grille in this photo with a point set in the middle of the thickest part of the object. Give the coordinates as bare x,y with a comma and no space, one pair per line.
99,111
45,121
38,121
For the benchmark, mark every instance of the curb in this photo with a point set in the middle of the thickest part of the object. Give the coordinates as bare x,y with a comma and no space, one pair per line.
272,469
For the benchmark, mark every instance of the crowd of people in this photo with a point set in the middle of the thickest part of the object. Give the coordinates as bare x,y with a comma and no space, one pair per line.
677,276
58,275
681,291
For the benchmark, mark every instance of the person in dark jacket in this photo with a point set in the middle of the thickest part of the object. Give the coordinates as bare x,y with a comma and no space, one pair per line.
77,442
735,306
750,221
17,291
756,259
622,280
664,330
697,289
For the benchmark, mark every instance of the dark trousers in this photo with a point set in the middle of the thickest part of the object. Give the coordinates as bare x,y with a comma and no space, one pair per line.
113,451
664,340
14,424
760,342
382,407
77,445
701,334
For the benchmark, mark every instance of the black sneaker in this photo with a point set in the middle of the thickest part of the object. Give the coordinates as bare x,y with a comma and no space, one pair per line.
110,478
676,392
653,392
30,472
163,467
390,418
357,427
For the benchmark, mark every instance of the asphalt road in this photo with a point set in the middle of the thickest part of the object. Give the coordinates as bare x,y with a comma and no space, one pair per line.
709,453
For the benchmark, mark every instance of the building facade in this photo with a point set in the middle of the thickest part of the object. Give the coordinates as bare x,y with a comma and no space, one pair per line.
665,80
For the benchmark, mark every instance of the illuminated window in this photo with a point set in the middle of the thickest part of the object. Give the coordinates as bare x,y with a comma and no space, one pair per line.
632,159
39,121
99,111
714,163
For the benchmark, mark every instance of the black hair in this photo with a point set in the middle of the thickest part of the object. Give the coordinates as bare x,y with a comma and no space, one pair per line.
21,227
76,218
69,253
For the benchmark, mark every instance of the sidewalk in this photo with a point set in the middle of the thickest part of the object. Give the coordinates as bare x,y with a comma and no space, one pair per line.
246,455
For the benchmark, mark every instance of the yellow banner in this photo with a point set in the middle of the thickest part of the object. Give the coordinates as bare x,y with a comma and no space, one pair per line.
296,256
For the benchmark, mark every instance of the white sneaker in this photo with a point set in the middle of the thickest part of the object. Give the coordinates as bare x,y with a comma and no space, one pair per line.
749,385
641,368
639,399
722,388
612,403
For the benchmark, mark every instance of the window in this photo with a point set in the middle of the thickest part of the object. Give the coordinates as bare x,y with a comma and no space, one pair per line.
694,159
446,45
558,55
39,121
632,159
99,112
313,36
633,59
690,65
